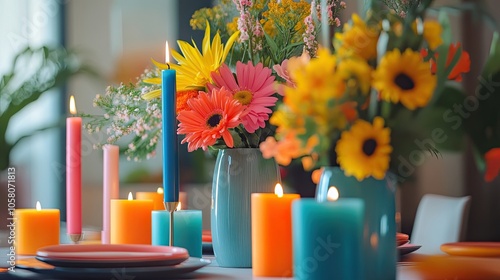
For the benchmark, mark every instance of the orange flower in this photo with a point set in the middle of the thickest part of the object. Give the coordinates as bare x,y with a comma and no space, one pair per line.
462,66
316,175
492,158
182,98
209,117
349,110
269,147
283,151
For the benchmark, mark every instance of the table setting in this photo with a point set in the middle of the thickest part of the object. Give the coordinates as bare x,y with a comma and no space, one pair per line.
269,87
177,265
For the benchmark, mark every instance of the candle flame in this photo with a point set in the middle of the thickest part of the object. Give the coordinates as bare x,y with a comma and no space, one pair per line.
38,206
179,207
159,190
333,194
278,190
167,53
130,197
72,105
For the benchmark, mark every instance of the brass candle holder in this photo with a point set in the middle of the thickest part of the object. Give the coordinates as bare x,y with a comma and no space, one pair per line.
75,237
171,207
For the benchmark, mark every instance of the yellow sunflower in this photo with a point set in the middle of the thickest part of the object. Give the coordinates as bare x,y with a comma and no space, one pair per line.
432,33
404,77
353,77
194,67
357,39
365,149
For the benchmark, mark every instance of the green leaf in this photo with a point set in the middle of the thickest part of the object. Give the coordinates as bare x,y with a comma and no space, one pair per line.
492,64
444,70
56,67
238,143
272,46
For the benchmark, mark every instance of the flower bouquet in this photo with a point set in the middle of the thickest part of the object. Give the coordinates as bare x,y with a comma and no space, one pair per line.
361,106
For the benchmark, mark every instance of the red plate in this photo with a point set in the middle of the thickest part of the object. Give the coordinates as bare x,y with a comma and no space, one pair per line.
111,255
472,249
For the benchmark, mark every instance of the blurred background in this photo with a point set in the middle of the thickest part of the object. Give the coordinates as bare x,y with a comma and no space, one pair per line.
116,40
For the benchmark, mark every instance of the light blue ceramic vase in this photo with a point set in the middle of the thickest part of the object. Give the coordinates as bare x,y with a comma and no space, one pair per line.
379,238
238,173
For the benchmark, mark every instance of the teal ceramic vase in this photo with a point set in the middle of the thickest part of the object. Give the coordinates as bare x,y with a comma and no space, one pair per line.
379,236
238,173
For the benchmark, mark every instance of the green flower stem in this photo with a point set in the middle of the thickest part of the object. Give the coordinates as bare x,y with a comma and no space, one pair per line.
241,132
386,110
373,106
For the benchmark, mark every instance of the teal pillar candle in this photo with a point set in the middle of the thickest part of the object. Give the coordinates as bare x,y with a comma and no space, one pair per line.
187,230
328,239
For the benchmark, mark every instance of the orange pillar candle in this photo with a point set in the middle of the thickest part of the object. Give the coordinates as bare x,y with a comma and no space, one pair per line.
183,201
272,233
36,228
130,221
156,197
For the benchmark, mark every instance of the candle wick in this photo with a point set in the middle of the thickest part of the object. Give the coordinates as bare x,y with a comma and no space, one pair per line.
168,66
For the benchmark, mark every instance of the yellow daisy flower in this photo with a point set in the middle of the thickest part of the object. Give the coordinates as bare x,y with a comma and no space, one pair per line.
313,82
404,77
194,67
365,149
314,88
285,121
357,39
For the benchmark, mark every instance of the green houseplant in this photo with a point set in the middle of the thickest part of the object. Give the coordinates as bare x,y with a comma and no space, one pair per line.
33,72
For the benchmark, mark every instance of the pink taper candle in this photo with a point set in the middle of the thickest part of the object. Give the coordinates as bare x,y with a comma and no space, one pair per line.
73,174
111,185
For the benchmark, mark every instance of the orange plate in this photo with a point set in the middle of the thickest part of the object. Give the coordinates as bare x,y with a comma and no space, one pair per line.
111,255
402,242
455,267
206,236
472,249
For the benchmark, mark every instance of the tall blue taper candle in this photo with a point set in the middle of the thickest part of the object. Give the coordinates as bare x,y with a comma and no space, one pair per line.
170,145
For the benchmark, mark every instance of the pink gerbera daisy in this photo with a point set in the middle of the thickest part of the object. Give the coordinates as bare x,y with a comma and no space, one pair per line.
253,87
209,117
